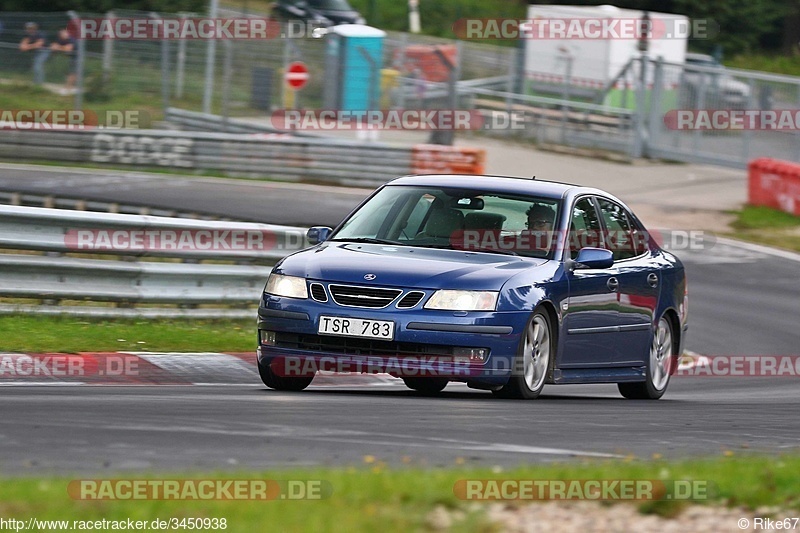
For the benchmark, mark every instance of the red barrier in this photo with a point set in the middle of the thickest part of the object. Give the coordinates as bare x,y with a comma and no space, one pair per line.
439,159
774,183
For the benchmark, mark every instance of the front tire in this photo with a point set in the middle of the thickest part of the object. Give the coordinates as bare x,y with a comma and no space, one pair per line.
533,362
282,383
660,364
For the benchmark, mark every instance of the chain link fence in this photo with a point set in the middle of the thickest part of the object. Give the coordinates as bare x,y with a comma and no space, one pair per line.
634,113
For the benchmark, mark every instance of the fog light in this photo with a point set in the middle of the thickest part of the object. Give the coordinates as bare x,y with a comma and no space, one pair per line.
267,337
473,355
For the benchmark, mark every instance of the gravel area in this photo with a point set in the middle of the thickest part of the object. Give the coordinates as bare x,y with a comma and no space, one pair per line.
588,517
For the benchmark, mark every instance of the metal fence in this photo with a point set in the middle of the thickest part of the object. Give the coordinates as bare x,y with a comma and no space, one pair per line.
629,114
696,89
47,258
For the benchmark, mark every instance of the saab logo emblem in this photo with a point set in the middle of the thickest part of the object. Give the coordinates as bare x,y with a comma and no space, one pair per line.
369,277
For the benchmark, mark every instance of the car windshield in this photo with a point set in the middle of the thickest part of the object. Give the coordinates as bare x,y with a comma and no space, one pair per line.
330,5
458,219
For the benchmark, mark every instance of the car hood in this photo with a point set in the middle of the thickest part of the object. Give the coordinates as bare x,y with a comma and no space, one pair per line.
405,266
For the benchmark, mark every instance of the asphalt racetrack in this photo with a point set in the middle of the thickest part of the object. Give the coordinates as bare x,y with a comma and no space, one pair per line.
743,301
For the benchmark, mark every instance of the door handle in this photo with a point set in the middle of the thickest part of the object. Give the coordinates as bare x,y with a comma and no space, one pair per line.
652,280
612,284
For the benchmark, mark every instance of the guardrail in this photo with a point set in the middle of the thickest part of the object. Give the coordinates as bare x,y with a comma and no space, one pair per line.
96,257
197,121
343,162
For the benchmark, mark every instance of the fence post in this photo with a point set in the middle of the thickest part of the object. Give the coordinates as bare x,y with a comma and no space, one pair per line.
797,133
165,71
226,82
654,124
181,66
511,86
447,137
747,134
697,134
641,109
211,53
401,103
79,67
108,51
519,67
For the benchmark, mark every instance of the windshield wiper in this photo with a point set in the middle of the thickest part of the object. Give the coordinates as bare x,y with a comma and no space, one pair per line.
369,240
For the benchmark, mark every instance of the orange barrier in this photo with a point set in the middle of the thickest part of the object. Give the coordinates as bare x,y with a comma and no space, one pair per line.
438,159
424,60
774,183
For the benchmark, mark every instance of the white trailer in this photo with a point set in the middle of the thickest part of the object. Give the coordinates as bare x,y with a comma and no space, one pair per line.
591,45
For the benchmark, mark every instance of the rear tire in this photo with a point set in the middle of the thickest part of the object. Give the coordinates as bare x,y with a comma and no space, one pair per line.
534,360
660,365
426,385
282,383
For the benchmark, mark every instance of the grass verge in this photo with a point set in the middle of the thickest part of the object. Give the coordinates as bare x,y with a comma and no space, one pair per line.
25,333
767,226
375,498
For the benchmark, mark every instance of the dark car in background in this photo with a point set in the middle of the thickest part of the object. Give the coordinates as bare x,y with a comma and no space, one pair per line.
322,13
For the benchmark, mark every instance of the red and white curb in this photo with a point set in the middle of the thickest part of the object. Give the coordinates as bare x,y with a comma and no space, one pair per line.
152,368
181,368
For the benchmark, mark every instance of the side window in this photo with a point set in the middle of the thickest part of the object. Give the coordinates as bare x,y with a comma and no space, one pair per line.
640,235
585,228
619,238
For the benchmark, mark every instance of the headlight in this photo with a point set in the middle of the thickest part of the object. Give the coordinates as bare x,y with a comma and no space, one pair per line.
361,20
288,286
463,300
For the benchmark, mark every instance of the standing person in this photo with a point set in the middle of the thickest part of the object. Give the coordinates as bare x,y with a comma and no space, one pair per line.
35,41
66,45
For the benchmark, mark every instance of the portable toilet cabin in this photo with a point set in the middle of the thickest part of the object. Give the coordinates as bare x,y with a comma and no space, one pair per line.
353,62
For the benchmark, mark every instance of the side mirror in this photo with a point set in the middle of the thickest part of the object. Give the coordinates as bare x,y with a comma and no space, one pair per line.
594,258
318,234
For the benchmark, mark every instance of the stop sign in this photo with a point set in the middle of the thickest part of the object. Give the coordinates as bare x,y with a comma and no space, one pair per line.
296,75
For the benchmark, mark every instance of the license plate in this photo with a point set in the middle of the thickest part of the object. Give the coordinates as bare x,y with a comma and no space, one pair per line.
356,327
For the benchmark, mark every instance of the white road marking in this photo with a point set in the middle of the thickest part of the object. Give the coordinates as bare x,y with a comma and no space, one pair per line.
760,248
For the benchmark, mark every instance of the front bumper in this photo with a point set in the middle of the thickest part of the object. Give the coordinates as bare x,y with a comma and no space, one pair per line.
423,344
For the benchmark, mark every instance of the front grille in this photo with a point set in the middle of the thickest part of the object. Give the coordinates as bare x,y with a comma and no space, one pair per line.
318,292
353,346
372,297
410,300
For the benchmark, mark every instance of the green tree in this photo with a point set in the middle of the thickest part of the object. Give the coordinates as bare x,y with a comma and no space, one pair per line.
101,6
743,24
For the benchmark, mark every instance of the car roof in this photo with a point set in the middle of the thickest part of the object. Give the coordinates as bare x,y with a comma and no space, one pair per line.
503,184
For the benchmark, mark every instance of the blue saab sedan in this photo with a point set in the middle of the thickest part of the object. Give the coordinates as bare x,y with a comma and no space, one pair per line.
506,284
